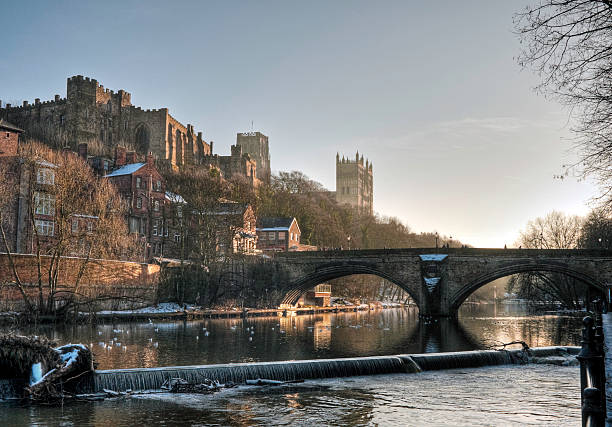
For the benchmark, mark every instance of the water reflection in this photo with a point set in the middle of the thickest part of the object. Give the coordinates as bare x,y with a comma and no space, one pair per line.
329,335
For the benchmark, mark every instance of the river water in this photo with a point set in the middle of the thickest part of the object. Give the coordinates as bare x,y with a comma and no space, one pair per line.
533,394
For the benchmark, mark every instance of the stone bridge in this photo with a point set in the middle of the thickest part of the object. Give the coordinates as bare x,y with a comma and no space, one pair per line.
439,280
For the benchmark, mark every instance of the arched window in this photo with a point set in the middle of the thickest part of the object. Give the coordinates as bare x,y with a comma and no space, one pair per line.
141,140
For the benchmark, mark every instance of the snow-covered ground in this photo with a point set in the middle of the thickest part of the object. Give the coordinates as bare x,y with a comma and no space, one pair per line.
164,307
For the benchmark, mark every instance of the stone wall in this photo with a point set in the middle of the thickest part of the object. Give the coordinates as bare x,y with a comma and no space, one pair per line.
92,113
101,277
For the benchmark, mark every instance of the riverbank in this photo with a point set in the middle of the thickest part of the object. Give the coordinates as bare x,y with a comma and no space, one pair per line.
173,311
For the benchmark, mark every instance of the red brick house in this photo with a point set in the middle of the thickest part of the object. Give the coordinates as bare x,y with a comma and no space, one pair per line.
142,188
278,234
9,139
236,226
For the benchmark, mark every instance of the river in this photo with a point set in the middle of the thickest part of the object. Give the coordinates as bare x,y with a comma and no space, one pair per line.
533,394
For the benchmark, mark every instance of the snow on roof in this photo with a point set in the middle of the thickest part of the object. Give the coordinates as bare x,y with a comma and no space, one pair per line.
433,257
126,170
275,223
46,164
273,229
175,198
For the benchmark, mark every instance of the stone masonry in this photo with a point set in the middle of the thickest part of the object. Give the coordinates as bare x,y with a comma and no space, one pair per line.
437,281
92,113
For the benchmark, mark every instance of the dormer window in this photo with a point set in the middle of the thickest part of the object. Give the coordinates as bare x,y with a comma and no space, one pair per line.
45,176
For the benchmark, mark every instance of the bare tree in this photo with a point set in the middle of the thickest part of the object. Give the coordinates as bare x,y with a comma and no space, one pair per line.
569,44
83,220
555,231
596,231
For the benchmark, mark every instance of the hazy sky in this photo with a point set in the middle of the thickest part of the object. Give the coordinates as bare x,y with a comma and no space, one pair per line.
430,92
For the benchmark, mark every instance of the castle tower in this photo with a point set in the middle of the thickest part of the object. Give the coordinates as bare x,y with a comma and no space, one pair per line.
354,183
255,144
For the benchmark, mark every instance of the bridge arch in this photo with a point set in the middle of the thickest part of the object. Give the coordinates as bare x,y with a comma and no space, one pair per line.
329,272
461,295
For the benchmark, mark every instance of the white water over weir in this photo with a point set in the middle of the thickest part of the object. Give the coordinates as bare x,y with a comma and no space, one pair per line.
153,378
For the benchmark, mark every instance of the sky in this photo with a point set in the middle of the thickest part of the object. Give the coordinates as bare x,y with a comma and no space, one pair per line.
430,92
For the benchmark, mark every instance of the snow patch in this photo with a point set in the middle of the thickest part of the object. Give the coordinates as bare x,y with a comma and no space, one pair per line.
36,374
164,307
431,283
433,257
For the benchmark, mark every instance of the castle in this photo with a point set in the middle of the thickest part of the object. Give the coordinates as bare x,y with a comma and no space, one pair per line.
92,113
354,185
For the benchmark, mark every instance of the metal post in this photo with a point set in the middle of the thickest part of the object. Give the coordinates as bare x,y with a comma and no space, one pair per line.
592,374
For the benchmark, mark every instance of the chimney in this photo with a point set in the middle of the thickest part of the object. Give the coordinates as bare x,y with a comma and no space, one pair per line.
37,101
25,103
211,148
57,98
82,150
119,156
150,160
130,157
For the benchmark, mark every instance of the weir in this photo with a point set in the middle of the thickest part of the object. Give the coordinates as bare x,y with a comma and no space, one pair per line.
121,380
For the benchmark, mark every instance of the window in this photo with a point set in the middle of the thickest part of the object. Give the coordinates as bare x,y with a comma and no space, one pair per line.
156,205
44,203
271,235
177,237
138,182
134,224
158,185
75,225
45,176
143,226
155,225
62,119
179,211
106,165
45,228
139,202
292,236
281,235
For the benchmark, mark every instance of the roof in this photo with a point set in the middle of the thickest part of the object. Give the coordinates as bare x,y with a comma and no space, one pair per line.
230,208
174,198
8,126
125,170
275,223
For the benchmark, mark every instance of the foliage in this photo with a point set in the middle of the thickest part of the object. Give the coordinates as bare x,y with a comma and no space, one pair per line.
569,44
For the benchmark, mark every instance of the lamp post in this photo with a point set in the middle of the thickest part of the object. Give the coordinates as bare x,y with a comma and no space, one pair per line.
436,236
451,241
348,239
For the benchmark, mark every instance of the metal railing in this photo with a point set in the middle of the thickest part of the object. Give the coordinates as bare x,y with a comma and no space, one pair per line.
592,374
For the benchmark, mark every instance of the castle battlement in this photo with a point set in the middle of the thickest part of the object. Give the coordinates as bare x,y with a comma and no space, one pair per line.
89,111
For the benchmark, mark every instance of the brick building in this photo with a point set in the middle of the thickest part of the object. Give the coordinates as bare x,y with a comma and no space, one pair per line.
278,234
236,228
354,183
92,113
143,190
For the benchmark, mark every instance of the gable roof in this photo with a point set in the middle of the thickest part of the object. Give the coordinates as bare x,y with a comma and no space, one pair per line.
8,126
275,223
125,170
